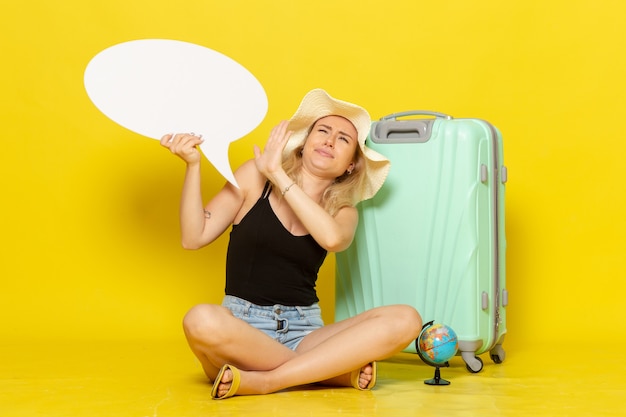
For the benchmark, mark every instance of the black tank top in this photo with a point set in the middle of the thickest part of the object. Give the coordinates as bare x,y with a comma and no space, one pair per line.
266,264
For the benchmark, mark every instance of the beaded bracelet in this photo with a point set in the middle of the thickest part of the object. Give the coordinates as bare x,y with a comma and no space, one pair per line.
288,187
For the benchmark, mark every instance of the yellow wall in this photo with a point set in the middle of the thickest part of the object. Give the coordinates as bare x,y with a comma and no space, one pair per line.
90,245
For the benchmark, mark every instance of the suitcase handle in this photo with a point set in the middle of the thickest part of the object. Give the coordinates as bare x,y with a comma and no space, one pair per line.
416,113
401,131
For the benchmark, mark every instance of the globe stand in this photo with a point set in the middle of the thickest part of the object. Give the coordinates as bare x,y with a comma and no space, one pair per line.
437,380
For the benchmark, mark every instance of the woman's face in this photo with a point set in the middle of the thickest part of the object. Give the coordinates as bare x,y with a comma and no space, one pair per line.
330,147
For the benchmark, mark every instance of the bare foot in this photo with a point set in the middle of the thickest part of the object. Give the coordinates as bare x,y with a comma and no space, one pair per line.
365,376
231,380
225,383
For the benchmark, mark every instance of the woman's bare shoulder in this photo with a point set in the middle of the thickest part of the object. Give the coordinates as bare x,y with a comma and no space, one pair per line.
250,180
248,173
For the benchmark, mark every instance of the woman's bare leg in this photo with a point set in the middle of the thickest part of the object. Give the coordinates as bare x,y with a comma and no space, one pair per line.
332,352
366,373
217,338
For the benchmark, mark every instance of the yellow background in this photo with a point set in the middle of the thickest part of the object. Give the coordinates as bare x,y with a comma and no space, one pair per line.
90,244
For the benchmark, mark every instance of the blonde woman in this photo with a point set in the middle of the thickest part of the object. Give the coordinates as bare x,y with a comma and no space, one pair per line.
296,203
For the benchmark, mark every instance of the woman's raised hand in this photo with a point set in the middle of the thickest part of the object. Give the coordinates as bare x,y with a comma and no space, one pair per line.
183,145
270,160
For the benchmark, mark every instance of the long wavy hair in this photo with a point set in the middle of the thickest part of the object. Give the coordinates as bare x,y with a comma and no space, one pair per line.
344,191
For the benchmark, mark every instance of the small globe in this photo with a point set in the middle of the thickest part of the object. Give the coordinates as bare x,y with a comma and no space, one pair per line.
437,344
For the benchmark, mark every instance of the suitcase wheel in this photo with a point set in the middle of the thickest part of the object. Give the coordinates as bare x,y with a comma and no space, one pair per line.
497,354
472,362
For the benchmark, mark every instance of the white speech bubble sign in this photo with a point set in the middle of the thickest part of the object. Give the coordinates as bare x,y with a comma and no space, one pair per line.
159,86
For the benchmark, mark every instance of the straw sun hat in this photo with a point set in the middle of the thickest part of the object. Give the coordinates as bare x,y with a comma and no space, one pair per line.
317,104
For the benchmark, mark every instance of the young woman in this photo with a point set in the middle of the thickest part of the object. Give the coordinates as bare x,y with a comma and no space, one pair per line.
296,202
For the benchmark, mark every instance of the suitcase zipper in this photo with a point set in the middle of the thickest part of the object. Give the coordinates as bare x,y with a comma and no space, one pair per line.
496,233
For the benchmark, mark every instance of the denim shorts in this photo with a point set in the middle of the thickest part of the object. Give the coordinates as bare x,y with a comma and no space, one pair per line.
285,324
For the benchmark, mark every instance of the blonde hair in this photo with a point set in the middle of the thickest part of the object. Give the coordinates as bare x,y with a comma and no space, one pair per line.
344,191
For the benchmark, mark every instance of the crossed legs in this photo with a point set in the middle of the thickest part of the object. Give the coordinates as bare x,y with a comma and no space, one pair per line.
327,355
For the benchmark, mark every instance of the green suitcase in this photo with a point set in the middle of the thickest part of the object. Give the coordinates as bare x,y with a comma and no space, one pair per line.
433,236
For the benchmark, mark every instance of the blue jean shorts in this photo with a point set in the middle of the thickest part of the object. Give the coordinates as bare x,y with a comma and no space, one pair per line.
285,324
